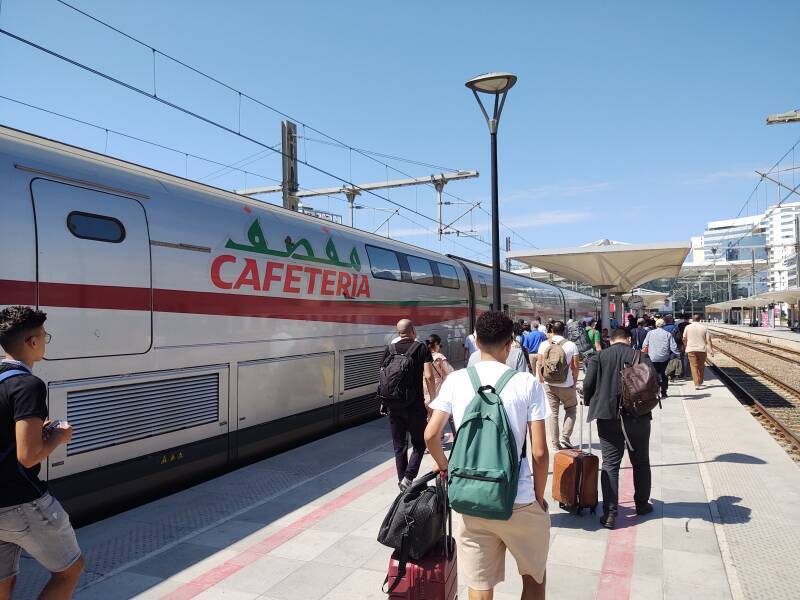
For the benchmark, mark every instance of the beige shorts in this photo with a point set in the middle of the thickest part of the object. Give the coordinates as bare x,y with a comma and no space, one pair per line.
482,545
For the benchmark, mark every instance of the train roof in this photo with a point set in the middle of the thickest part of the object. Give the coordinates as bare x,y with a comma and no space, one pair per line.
165,180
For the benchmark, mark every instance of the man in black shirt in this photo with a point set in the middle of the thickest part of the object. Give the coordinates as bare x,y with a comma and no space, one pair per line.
411,419
30,518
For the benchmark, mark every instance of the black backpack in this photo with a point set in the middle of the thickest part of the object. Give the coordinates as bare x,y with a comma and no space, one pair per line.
395,377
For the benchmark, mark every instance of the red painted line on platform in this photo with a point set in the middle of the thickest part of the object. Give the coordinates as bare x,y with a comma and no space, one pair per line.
221,572
615,576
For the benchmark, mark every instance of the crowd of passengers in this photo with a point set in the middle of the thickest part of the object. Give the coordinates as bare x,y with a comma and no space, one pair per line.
440,395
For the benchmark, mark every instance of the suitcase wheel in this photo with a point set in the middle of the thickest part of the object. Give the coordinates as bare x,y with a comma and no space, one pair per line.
593,510
562,506
578,511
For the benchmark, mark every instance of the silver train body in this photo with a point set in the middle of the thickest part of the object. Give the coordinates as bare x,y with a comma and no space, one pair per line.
193,329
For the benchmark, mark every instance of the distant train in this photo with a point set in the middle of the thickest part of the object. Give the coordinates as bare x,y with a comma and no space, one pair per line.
193,328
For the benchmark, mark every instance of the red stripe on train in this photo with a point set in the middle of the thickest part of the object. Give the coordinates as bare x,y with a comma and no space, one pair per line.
17,292
337,311
70,295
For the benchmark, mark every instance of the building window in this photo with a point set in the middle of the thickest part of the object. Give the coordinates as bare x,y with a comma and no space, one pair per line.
95,227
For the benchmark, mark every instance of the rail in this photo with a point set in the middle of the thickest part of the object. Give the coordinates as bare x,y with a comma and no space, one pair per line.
790,435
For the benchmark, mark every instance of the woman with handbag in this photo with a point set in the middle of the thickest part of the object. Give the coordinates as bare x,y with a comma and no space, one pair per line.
441,369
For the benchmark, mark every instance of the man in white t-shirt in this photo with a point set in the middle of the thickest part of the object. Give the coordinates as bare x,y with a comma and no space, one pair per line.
561,393
482,542
469,346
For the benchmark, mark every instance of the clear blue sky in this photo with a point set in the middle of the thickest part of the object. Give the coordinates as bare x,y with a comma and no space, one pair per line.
633,121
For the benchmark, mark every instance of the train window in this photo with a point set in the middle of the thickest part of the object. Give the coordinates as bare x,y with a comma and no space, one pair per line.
95,227
384,263
484,289
420,269
448,276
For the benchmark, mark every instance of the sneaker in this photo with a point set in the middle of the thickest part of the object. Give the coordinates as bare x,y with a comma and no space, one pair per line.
664,394
403,485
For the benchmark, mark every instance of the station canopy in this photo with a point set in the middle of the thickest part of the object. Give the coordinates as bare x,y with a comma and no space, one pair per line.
790,295
610,264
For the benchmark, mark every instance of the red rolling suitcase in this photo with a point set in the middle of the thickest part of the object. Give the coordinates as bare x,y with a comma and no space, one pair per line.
575,475
432,577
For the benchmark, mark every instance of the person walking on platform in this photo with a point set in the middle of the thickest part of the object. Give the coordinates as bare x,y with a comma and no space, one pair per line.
30,518
482,542
697,344
405,366
558,367
638,334
601,393
441,367
534,339
660,346
469,346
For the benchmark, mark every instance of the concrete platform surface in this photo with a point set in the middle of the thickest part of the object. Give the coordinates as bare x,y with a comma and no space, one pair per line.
302,525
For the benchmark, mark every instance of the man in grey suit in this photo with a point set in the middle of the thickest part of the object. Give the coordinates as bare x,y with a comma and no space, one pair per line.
601,392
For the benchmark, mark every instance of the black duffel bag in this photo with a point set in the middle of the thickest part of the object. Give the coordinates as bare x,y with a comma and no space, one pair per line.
414,523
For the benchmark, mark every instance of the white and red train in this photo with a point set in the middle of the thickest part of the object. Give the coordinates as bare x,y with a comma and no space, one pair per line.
193,328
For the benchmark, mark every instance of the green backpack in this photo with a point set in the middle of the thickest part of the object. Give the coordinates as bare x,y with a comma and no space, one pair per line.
484,465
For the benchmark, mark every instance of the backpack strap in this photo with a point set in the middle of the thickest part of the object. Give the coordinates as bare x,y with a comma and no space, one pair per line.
474,378
415,344
3,376
393,348
504,379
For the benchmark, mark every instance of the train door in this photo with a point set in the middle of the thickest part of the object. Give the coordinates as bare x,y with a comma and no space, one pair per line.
93,263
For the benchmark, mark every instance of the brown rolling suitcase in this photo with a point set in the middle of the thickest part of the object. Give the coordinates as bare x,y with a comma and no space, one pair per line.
575,475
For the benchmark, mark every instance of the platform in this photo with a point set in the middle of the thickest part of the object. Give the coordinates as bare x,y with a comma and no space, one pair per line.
302,525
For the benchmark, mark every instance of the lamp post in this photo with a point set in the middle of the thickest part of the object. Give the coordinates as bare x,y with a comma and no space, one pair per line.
497,85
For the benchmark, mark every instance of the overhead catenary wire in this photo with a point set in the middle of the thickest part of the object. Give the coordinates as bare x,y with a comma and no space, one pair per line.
206,120
240,94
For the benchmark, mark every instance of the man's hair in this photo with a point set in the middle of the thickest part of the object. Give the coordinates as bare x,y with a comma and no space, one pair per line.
493,329
17,324
696,318
620,334
558,327
640,322
659,322
535,323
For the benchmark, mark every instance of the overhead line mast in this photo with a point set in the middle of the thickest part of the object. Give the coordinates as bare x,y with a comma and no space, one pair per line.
292,193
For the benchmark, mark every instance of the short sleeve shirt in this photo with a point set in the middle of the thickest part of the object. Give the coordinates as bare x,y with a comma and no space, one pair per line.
695,334
523,399
533,340
21,397
570,349
469,343
419,357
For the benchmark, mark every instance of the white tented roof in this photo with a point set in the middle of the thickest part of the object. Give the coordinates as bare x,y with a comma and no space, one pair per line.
790,295
609,264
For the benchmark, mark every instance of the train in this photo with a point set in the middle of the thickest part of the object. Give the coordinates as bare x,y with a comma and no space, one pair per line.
194,329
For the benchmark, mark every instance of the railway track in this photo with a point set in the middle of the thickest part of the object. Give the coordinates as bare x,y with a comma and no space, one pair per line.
791,356
775,403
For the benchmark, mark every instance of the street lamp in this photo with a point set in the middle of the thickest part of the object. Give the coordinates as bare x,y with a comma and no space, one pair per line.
792,116
497,85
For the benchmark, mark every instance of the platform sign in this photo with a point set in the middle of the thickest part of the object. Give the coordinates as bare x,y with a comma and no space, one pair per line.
635,302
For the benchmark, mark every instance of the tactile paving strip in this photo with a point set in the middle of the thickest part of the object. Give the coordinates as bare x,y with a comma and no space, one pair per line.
762,541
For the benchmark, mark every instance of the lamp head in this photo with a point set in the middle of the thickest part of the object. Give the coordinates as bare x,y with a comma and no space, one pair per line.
492,83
